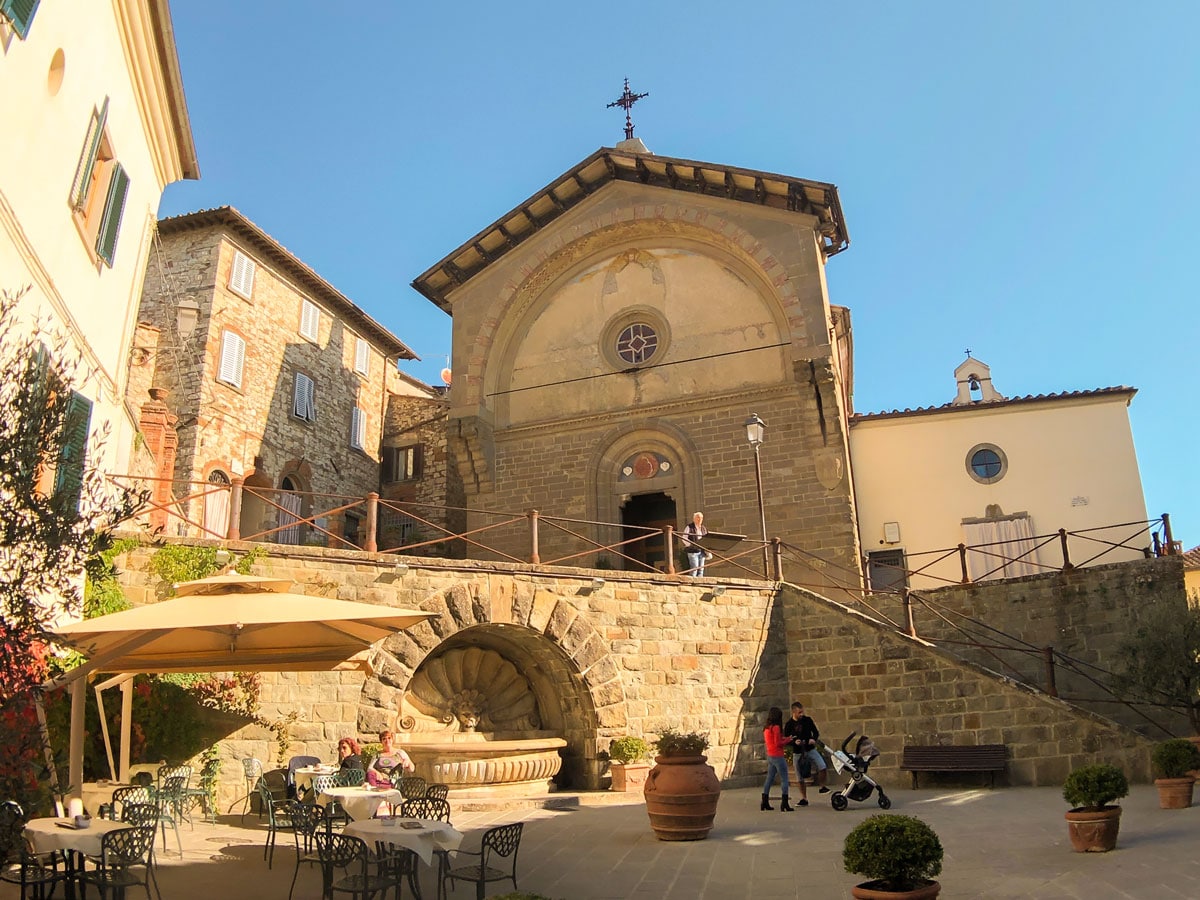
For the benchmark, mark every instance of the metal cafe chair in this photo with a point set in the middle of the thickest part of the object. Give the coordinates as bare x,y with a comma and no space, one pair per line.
307,820
498,848
413,787
18,865
121,853
350,854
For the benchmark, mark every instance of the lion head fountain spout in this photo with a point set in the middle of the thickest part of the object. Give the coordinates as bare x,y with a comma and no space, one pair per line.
470,719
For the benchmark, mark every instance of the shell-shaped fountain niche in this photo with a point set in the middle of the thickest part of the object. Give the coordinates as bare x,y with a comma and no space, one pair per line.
470,720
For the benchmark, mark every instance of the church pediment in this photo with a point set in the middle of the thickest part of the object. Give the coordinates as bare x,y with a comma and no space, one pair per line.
606,165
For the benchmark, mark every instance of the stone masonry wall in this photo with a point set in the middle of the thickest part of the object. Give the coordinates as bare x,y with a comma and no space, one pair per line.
639,653
856,674
1084,614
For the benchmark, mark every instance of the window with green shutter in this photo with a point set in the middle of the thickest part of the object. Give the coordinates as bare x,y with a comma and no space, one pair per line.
114,209
81,186
20,14
68,473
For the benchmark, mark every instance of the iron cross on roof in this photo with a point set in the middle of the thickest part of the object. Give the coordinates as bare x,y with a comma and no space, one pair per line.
626,101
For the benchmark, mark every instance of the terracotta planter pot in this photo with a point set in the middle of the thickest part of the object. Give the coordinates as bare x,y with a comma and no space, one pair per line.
681,797
869,890
628,776
1174,793
1195,739
1094,830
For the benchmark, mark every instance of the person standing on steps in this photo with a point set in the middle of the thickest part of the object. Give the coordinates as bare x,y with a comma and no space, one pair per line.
696,554
801,731
776,759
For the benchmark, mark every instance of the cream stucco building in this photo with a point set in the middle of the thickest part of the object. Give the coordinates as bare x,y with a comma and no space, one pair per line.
95,126
1001,475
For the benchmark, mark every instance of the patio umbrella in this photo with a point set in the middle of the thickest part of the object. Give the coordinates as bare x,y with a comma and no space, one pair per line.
226,623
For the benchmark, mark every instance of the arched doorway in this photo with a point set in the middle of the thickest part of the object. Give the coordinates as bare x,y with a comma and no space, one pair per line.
640,511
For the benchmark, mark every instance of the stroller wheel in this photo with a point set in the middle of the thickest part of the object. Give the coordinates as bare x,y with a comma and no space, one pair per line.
838,801
884,801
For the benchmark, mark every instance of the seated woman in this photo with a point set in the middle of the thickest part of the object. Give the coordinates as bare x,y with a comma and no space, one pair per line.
379,772
348,753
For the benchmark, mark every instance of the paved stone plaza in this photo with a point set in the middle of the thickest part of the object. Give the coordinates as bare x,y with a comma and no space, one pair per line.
1002,843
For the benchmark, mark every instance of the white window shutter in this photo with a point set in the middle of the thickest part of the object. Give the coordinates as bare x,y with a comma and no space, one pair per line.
362,357
241,275
233,359
310,320
358,428
304,398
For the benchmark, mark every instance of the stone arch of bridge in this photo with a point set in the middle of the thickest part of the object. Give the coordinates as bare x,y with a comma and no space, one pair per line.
572,675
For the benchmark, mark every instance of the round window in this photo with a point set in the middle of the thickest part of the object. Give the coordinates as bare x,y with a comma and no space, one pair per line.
637,343
986,463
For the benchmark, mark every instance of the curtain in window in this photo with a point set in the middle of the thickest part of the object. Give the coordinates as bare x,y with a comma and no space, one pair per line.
290,513
216,513
1011,553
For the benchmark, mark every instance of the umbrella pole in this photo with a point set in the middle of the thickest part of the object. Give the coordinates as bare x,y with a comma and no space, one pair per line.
78,705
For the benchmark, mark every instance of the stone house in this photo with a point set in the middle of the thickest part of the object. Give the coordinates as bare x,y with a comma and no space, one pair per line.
95,127
279,381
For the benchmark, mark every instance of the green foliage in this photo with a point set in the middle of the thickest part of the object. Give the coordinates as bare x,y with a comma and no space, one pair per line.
681,743
628,749
210,775
1094,787
1160,660
57,513
1175,758
253,555
102,593
368,752
175,563
898,851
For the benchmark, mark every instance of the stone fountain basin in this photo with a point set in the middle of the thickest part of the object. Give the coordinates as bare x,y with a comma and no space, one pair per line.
479,764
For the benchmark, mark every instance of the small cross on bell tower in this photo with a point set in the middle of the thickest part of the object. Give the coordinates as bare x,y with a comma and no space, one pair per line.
626,101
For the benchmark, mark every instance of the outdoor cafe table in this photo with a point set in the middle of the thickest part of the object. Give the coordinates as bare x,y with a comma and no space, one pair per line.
305,774
361,802
97,793
49,835
422,836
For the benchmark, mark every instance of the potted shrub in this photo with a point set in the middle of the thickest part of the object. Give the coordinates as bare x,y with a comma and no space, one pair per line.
1093,820
1172,761
900,855
682,789
627,758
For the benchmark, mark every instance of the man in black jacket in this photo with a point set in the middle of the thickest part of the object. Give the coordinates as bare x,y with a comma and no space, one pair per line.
803,733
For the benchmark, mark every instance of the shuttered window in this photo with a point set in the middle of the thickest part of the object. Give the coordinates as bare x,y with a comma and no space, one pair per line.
362,357
310,320
401,463
358,428
68,472
81,186
304,398
233,359
241,275
114,209
20,14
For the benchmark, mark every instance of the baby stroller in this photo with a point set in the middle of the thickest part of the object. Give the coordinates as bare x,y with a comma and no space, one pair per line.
860,785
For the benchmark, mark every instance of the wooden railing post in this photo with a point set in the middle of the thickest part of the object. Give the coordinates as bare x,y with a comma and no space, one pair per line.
1062,539
534,556
962,561
909,621
777,556
669,546
235,508
1051,686
371,544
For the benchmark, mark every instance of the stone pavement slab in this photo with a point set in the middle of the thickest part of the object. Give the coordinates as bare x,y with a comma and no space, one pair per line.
1002,843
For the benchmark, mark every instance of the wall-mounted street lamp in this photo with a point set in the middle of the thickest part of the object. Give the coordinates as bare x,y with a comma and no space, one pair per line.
755,431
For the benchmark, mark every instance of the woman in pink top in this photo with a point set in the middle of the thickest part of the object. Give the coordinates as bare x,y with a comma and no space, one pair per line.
776,760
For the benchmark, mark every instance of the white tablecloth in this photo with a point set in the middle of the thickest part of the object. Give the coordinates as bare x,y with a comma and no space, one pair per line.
360,802
432,835
305,775
46,835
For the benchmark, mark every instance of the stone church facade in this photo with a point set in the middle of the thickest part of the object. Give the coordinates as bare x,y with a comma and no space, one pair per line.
604,370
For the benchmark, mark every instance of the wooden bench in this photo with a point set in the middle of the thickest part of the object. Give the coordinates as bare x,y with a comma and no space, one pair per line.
978,758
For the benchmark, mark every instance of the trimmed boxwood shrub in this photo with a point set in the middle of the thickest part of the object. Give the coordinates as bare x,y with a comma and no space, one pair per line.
1095,787
1175,758
897,852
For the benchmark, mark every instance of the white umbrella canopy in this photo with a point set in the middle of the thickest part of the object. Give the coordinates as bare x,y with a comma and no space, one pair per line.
236,622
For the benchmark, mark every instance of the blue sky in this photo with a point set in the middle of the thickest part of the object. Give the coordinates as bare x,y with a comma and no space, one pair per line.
1020,178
